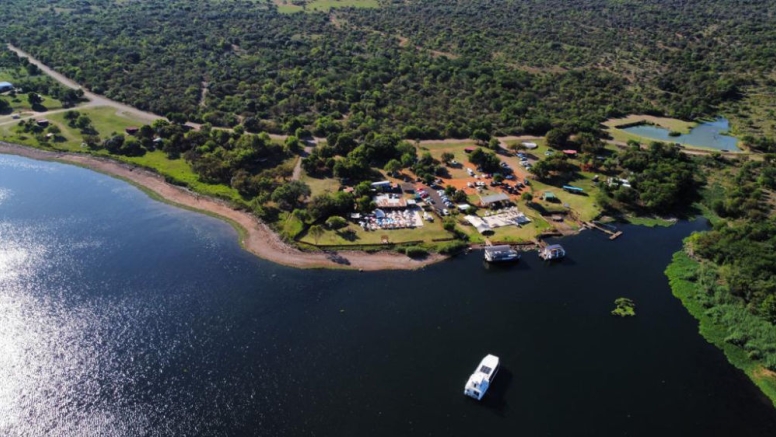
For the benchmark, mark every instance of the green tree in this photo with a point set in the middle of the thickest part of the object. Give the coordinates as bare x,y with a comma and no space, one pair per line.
289,195
447,157
557,138
481,135
316,231
336,222
34,99
392,167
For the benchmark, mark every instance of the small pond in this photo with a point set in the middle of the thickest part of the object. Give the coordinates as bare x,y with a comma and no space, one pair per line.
707,134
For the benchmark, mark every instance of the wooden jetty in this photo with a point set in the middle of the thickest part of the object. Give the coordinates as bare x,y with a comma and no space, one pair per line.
613,235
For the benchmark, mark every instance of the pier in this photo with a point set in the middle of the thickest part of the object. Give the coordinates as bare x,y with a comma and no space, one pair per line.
613,235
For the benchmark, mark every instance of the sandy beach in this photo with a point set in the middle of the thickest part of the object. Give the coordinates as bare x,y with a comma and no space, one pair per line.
256,237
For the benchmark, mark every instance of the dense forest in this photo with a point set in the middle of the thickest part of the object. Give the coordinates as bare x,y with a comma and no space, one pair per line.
428,69
736,279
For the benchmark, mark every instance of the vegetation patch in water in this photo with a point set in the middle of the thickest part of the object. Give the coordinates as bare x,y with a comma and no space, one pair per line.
624,307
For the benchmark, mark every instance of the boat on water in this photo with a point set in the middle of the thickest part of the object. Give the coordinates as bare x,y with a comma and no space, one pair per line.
552,252
483,376
505,253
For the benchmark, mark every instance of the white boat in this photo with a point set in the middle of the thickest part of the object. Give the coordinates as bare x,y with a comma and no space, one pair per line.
482,377
552,252
501,254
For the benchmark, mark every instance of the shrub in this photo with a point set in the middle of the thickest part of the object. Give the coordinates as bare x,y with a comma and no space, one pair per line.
416,252
453,247
336,222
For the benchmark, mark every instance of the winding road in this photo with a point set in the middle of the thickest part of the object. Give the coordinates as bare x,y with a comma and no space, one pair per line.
95,100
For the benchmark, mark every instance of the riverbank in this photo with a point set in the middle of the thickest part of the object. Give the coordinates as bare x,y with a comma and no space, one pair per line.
680,272
256,237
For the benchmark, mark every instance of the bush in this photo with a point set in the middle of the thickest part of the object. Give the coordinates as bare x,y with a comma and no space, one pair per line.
416,252
453,247
336,222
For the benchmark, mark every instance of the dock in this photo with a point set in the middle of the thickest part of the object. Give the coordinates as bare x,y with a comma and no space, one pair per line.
613,235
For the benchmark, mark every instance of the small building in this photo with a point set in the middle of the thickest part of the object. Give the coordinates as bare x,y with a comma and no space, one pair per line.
573,189
382,185
549,196
530,146
570,152
5,87
493,199
131,130
42,122
390,202
463,207
618,182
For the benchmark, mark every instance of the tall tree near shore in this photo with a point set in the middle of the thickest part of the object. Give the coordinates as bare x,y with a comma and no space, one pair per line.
316,231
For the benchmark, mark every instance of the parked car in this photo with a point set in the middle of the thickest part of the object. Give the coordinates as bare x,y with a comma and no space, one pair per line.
509,177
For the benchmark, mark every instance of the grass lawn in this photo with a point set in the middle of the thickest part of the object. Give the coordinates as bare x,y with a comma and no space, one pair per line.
355,235
180,170
320,185
509,234
106,121
582,204
20,103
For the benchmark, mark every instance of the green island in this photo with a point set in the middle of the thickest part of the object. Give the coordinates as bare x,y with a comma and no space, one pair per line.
380,125
624,307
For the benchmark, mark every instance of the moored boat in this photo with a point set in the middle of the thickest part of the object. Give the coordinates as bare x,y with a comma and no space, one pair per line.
554,251
503,253
483,376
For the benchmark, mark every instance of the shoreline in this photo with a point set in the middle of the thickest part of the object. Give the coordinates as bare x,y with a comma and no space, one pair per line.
684,289
255,236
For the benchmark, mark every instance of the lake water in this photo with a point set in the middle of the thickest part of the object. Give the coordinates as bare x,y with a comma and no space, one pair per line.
706,134
122,316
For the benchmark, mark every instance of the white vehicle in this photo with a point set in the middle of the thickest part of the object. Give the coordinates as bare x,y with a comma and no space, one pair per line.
470,171
482,377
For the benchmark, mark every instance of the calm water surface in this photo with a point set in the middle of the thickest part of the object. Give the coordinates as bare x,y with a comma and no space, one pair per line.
121,316
706,134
